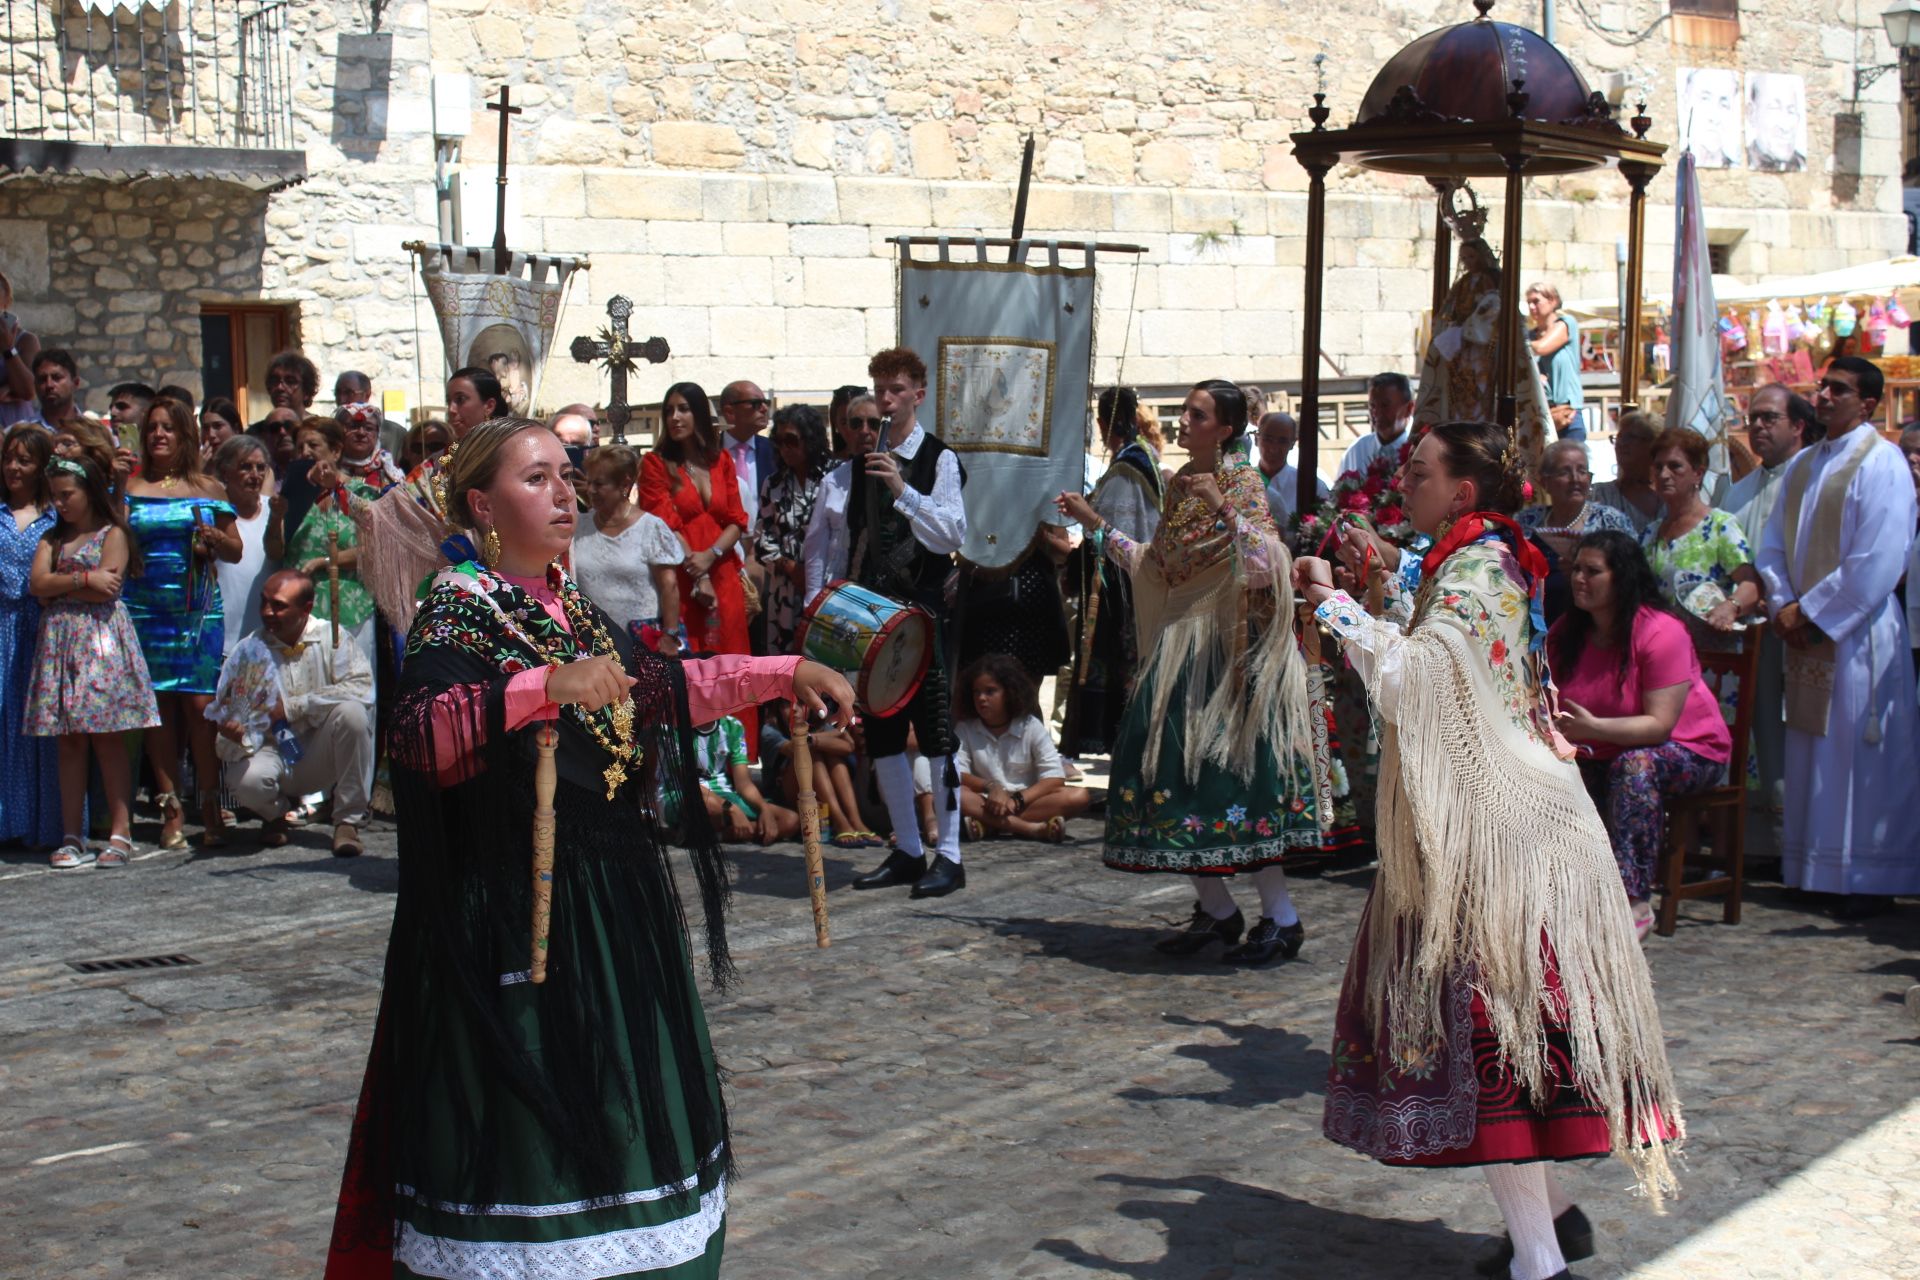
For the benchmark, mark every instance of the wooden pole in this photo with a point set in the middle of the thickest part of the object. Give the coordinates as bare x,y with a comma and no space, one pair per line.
1020,196
1507,347
1637,176
1309,496
333,581
810,826
544,778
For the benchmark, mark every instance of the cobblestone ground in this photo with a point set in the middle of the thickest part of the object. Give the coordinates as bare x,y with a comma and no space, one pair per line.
1004,1083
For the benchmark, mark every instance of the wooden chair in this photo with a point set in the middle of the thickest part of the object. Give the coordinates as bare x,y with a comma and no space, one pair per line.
1723,809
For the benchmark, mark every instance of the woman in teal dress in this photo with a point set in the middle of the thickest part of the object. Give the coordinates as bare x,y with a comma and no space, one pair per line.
573,1126
1214,768
183,523
29,773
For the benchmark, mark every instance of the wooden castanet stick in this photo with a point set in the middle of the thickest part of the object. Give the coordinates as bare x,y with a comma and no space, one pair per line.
1310,634
810,826
333,580
544,777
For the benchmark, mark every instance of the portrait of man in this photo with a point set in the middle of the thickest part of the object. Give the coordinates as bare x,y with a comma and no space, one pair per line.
1710,116
1776,122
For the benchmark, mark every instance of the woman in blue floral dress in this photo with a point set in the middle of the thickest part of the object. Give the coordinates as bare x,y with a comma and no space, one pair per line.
1213,765
29,775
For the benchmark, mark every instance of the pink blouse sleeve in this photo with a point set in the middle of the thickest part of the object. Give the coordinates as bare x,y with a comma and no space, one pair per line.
723,685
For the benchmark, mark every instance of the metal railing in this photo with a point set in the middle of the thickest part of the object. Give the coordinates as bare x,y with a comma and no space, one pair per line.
192,73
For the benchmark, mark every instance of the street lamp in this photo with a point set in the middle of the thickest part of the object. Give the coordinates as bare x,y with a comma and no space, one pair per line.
1902,22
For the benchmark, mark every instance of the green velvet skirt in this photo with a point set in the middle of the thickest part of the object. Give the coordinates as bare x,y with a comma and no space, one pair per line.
1218,825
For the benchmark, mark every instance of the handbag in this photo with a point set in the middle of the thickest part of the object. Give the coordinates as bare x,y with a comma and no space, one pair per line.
749,591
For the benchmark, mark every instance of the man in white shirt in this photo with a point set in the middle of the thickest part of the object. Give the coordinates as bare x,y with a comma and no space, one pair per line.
1835,546
327,697
1389,413
1278,434
1779,425
890,518
746,409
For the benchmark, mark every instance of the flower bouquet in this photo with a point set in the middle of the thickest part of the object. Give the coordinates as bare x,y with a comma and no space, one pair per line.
1372,497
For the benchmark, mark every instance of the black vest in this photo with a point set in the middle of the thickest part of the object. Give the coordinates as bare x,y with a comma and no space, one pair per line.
884,555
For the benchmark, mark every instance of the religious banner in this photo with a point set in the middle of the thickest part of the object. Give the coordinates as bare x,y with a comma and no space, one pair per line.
1698,397
1009,352
499,322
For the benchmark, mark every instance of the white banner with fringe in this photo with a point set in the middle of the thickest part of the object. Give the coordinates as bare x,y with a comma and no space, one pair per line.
503,323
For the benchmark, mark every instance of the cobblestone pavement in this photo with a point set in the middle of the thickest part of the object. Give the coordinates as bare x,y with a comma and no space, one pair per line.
1004,1083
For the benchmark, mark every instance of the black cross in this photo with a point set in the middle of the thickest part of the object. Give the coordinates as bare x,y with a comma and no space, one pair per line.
506,109
614,347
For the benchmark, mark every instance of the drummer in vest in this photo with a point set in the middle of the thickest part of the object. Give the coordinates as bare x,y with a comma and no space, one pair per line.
890,518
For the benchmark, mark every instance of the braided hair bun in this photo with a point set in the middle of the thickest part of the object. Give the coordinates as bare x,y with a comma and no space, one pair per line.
1490,456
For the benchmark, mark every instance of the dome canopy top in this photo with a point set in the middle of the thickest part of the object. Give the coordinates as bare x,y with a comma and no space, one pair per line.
1466,73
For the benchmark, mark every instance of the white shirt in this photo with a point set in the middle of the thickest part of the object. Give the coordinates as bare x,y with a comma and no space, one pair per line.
1362,452
614,569
745,471
240,582
1015,758
938,519
1750,499
1283,494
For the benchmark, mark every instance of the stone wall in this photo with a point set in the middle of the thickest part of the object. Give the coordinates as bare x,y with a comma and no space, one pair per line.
738,175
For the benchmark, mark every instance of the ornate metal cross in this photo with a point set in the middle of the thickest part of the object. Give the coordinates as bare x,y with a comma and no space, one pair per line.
507,112
616,351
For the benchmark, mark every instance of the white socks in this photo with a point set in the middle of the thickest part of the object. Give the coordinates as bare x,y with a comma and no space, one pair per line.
1213,895
946,808
1521,1192
1556,1198
895,776
1275,902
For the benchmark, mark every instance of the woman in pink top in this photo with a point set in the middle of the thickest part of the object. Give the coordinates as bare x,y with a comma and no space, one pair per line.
588,1099
1633,702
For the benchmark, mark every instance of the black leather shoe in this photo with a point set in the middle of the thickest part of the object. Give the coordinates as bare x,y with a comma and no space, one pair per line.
1571,1229
1201,930
942,878
1265,941
897,869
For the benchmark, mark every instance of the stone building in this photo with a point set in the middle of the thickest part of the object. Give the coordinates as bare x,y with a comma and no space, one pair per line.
737,170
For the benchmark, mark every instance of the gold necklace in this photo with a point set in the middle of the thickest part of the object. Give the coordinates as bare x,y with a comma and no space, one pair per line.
620,716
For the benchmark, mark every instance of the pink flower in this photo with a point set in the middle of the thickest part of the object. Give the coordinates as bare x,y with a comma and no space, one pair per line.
1499,653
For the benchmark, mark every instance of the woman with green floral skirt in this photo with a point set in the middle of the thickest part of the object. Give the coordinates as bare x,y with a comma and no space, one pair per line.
1214,764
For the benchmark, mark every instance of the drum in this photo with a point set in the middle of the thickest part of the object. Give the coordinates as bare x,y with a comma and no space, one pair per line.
883,646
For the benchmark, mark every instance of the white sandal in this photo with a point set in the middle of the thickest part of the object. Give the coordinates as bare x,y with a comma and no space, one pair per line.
74,853
118,850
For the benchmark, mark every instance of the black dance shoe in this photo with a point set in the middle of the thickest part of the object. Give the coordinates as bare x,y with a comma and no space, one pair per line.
1201,930
897,869
1266,940
941,879
1571,1229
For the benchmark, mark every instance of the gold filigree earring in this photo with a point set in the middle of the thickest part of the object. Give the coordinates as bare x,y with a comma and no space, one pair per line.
490,548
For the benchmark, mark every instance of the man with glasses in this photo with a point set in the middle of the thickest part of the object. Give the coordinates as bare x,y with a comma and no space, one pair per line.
292,383
747,410
1779,425
1835,545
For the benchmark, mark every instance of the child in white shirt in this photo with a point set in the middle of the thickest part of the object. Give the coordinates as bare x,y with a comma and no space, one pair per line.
1012,780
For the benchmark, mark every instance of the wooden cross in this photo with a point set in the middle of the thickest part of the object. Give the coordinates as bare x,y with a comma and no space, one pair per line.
507,110
618,351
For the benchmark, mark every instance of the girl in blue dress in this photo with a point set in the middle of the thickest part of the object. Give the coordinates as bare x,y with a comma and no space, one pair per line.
29,775
182,524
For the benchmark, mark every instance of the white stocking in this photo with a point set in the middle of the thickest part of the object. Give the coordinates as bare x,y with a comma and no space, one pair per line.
1521,1192
1556,1198
895,775
1275,902
1213,895
946,808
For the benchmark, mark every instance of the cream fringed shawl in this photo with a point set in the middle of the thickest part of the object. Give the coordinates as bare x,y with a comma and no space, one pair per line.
1218,606
1488,844
400,545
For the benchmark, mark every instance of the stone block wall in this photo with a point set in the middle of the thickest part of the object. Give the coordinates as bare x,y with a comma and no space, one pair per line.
739,174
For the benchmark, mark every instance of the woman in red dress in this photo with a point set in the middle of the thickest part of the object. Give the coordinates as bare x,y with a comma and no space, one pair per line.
688,481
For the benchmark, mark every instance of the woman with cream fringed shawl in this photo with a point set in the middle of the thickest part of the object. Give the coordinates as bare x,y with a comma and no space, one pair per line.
1497,1010
1214,762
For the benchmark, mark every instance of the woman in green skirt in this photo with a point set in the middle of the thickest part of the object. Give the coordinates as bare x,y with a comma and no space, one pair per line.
571,1126
1213,767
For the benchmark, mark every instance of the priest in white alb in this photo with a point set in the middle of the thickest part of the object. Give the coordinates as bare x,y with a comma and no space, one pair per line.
1835,546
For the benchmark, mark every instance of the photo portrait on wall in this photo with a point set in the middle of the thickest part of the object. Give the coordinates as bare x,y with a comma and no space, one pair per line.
1710,116
1776,122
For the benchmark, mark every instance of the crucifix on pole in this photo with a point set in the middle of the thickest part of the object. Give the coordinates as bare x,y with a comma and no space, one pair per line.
507,111
616,351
